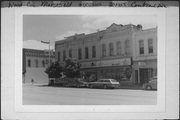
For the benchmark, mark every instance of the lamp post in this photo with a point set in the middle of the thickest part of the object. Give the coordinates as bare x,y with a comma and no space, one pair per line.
49,54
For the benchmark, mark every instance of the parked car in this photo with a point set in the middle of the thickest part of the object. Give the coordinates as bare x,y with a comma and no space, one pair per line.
104,83
152,84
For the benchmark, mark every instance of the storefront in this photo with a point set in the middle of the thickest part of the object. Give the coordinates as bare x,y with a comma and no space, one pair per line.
119,69
143,71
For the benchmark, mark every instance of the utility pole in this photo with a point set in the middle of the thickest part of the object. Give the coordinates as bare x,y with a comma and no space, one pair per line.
49,54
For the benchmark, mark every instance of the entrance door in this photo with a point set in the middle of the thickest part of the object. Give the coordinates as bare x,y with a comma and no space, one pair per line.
145,75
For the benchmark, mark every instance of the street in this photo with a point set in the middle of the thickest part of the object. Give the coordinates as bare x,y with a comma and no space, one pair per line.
48,95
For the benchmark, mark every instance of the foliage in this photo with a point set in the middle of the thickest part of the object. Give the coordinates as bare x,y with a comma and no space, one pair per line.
55,70
71,68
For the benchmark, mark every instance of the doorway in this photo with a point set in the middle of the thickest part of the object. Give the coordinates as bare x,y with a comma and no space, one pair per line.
145,75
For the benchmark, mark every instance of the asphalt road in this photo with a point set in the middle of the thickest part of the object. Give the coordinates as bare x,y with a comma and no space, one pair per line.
46,95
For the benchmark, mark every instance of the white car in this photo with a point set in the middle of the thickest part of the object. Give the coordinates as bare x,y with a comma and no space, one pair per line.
104,83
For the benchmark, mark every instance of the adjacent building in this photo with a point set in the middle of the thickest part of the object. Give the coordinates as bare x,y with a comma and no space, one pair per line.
145,55
35,63
115,52
37,58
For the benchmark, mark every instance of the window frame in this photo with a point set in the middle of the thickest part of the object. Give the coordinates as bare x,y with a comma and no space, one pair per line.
141,47
93,51
111,49
150,46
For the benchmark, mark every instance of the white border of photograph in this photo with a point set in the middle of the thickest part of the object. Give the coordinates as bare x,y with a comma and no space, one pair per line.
168,81
160,13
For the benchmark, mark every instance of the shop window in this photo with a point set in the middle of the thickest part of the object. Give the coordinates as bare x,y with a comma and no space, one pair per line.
64,55
93,51
36,63
79,53
29,63
86,53
103,50
141,47
150,45
111,49
70,53
59,55
118,47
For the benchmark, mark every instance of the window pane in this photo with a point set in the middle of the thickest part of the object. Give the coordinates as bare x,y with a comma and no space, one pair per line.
70,53
111,49
93,51
58,56
64,55
141,47
86,53
118,47
103,50
36,62
150,45
79,53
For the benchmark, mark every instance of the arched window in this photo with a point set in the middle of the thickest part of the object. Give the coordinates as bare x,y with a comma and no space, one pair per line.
29,63
36,63
43,63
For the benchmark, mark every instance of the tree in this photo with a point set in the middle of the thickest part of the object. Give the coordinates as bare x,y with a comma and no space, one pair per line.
71,68
54,71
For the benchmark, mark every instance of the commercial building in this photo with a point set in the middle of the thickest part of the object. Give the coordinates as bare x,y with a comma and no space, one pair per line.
108,53
35,63
145,55
37,58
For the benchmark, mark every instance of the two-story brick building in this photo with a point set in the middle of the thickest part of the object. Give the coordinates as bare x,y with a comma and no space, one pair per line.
104,54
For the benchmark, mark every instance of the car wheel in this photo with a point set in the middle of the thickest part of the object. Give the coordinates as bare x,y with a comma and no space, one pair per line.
148,87
105,86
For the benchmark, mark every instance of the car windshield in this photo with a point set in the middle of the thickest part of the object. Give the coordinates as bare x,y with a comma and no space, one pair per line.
112,80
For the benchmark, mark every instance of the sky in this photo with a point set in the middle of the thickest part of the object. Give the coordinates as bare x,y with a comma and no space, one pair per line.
38,28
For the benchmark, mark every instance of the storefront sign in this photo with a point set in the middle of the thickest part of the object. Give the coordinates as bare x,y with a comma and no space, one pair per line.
104,63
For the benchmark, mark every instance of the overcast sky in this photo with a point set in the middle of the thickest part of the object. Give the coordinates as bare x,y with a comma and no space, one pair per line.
56,27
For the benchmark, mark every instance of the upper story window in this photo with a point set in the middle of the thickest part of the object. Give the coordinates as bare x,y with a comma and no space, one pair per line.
103,50
79,53
93,51
29,63
111,49
86,53
141,47
118,47
150,45
127,44
70,53
127,47
36,63
64,55
59,56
